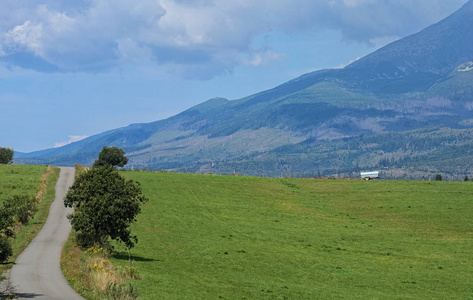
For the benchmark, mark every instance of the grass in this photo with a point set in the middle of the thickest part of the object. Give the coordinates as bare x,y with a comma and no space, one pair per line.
208,237
21,180
74,267
93,276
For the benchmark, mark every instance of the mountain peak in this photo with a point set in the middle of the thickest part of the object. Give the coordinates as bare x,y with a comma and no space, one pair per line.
418,60
468,5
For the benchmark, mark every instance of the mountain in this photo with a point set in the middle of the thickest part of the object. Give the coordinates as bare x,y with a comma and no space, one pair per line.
406,109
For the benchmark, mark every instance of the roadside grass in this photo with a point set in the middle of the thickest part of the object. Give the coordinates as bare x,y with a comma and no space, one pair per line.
74,267
26,180
230,237
93,276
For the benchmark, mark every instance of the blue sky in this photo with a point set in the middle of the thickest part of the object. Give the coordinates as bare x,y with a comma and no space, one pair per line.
70,69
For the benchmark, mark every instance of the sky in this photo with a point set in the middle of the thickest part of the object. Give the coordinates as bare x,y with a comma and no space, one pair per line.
72,69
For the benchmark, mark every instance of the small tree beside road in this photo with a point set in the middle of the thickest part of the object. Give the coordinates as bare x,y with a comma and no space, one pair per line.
111,157
6,156
105,205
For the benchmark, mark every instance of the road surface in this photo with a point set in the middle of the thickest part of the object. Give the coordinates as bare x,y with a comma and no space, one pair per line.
37,272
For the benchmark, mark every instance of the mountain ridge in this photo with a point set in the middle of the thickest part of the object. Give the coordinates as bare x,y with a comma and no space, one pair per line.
421,83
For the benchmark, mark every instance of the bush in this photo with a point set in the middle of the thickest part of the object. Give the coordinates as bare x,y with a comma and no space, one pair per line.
21,207
6,155
438,177
5,249
6,222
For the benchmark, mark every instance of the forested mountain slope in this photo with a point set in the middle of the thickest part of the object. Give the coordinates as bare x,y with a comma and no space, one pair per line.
407,108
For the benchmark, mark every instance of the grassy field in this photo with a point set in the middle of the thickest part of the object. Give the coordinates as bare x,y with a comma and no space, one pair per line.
19,180
209,237
26,180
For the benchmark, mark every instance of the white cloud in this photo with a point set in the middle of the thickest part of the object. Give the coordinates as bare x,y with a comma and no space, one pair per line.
263,58
72,139
196,38
341,66
130,50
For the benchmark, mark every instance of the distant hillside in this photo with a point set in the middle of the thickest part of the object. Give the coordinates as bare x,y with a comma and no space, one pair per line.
407,108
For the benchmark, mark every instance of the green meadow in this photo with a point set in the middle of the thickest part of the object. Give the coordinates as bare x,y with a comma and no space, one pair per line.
19,180
231,237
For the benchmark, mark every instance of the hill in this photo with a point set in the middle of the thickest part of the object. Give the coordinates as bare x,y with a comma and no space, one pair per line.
233,237
330,122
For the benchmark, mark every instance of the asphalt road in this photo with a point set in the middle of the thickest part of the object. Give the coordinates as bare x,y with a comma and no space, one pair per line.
37,273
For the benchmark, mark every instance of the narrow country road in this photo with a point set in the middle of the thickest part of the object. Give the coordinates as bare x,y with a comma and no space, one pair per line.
37,273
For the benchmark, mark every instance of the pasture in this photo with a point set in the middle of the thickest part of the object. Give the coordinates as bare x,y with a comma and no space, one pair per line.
230,237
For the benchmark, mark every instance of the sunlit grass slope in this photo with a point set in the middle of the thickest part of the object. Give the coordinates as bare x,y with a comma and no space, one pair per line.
209,237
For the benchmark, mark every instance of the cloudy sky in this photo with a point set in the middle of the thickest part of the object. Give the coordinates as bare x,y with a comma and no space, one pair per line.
70,69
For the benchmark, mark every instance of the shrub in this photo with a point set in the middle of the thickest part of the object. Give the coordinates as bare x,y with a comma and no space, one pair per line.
21,207
5,249
438,177
6,155
6,222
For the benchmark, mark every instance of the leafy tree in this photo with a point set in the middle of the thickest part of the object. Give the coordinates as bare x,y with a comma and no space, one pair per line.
111,157
466,178
105,205
6,155
438,177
